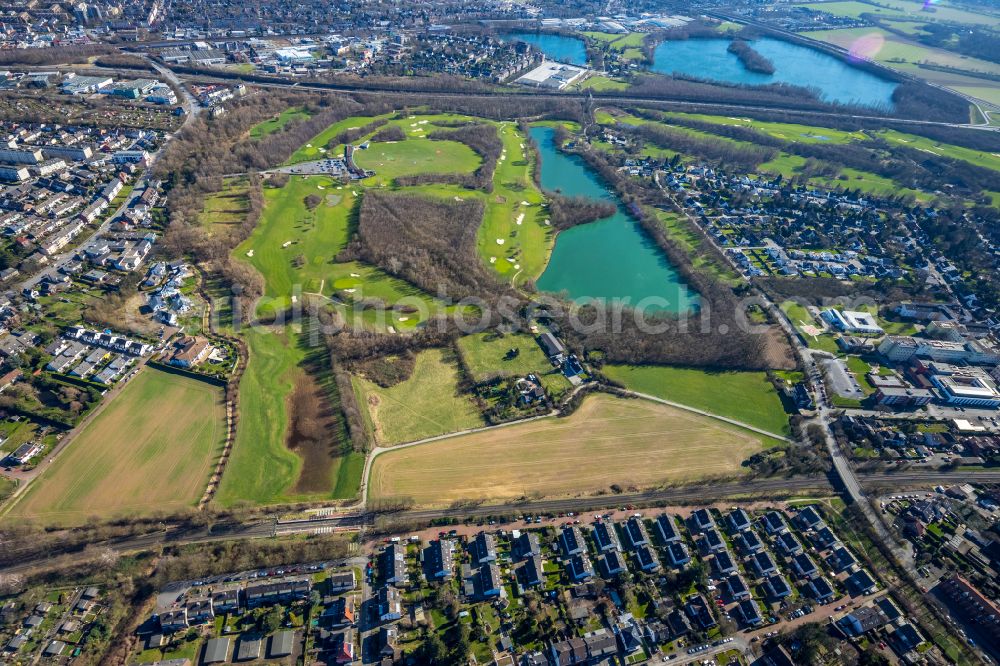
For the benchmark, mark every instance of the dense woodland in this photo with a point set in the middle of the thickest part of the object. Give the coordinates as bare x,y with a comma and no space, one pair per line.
428,242
751,59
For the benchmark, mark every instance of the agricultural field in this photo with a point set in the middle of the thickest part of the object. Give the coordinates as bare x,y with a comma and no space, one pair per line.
150,450
426,404
272,125
744,396
906,9
262,468
607,441
905,55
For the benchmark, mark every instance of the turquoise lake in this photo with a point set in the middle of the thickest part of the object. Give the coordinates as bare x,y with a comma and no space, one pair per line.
611,259
555,47
834,79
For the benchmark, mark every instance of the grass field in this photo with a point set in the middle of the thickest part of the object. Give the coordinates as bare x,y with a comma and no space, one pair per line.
745,396
261,130
150,450
228,206
415,155
424,405
485,355
632,443
810,329
261,468
602,83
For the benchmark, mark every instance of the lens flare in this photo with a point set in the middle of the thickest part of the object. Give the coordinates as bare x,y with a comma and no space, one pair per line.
867,47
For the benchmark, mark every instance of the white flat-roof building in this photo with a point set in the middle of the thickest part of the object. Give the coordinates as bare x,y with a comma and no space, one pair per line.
552,74
851,321
968,389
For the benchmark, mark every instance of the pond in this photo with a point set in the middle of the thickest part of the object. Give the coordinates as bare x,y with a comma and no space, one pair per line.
612,259
835,80
560,48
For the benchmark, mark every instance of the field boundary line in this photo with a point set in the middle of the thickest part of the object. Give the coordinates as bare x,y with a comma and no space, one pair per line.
379,450
717,417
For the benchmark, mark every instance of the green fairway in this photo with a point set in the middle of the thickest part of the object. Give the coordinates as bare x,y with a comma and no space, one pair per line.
288,230
261,468
744,396
784,131
294,250
415,155
316,149
514,214
278,122
424,405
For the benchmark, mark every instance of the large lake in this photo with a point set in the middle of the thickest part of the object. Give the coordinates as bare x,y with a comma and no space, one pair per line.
611,259
555,47
836,80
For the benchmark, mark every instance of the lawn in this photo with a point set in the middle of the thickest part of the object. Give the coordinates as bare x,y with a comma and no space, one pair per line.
272,125
261,468
150,450
631,443
745,396
810,329
424,405
485,354
695,245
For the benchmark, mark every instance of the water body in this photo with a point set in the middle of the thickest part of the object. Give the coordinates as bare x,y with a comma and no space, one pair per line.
836,80
560,48
611,259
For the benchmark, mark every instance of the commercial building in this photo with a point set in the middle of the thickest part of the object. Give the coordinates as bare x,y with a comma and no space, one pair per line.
850,321
967,389
899,349
553,75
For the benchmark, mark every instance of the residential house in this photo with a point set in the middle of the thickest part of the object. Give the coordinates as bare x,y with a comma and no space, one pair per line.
738,589
667,528
606,537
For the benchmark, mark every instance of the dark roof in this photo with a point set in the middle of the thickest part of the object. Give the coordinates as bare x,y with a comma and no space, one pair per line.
216,651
